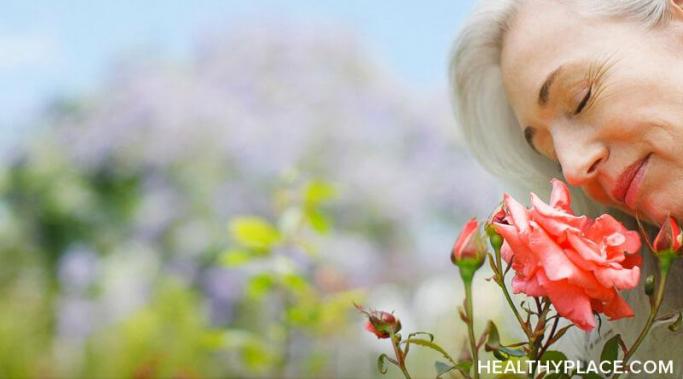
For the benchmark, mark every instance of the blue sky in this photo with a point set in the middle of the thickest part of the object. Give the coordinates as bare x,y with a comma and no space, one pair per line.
63,48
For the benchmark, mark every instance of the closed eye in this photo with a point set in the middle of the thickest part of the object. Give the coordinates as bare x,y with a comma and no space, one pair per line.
584,101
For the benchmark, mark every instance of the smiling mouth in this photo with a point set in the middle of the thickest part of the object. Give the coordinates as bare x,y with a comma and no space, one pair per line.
629,182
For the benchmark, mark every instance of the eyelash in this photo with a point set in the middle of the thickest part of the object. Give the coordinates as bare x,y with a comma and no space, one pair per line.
594,78
584,101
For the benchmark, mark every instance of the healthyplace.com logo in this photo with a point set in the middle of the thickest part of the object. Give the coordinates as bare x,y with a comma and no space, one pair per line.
575,367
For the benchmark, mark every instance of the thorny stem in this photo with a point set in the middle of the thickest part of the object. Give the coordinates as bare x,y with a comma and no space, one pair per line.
665,260
537,336
549,342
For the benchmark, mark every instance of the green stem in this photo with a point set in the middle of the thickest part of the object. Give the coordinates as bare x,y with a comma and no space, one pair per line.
665,260
400,357
470,327
500,279
550,337
537,336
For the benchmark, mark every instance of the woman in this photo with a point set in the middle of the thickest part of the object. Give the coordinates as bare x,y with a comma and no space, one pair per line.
591,91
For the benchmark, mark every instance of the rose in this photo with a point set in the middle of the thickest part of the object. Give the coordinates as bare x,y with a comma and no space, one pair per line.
469,248
669,237
381,324
580,264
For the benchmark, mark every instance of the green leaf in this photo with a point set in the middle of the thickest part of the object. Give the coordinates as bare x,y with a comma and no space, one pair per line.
591,375
302,316
414,334
254,232
610,352
259,286
381,365
511,351
318,221
553,356
493,338
557,375
317,192
429,344
464,366
236,258
501,356
295,283
493,344
411,335
556,357
442,368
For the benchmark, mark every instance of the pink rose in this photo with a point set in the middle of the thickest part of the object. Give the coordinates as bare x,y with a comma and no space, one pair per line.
469,245
669,237
578,263
380,323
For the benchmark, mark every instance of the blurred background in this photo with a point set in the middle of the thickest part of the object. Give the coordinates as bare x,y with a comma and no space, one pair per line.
202,189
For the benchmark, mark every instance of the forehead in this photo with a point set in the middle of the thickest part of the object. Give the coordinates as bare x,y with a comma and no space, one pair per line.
543,35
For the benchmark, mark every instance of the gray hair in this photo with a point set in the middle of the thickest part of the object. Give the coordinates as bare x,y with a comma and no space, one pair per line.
489,126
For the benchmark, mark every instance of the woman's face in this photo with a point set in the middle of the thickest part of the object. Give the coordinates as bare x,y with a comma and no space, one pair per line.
604,98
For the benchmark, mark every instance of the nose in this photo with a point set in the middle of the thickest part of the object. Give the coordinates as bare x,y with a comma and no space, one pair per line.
579,152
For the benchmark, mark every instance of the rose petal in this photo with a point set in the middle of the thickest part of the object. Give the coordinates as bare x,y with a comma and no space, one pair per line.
555,263
580,261
617,308
559,196
465,246
606,225
590,285
632,244
524,257
586,248
555,221
517,212
529,286
619,279
570,302
615,239
631,260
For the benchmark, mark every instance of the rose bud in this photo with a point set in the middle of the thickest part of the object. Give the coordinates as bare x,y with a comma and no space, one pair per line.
669,237
381,324
469,249
497,217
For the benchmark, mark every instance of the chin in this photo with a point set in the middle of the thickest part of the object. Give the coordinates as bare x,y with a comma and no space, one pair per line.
656,212
643,213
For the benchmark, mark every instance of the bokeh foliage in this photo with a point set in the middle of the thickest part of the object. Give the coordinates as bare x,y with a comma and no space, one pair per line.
217,218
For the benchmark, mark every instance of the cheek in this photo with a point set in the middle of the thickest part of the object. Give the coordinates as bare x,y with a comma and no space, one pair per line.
544,144
664,194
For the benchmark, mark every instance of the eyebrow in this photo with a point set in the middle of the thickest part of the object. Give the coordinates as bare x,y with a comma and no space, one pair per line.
544,92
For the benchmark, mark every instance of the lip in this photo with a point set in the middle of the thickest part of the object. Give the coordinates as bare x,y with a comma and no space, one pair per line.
628,183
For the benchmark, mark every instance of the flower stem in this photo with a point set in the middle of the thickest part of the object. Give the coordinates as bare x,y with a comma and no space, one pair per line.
536,339
470,327
500,279
550,337
665,260
400,357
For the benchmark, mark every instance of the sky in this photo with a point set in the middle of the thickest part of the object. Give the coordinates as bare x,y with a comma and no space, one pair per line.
52,49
